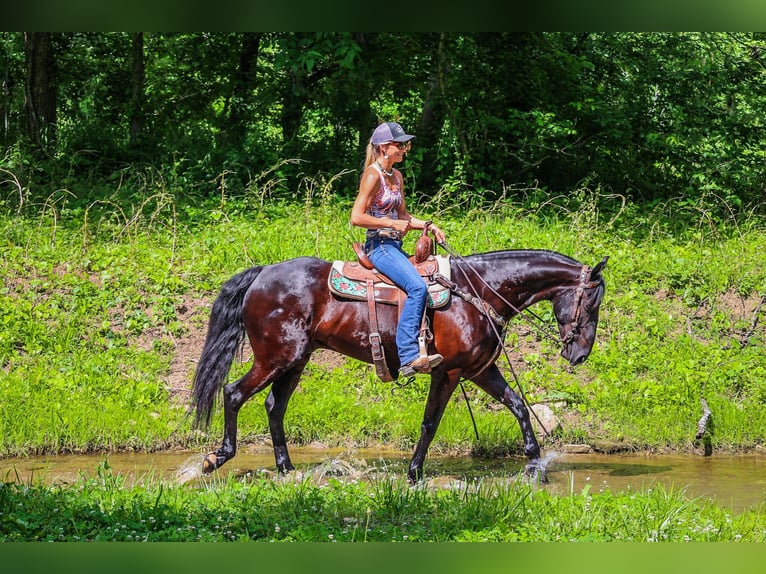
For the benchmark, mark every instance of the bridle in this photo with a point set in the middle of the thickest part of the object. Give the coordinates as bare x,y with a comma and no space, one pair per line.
574,324
498,321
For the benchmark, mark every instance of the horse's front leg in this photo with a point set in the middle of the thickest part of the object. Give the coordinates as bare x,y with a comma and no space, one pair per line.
442,387
493,382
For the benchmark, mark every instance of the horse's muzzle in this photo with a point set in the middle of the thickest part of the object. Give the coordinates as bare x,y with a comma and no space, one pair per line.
579,360
575,354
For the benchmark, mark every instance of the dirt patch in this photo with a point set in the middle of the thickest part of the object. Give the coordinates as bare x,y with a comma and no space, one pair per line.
744,315
330,360
746,310
194,312
734,305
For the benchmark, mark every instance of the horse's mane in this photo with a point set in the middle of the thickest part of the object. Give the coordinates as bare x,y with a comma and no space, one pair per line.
525,254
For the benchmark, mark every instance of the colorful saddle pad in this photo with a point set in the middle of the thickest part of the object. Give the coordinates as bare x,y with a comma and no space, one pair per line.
349,279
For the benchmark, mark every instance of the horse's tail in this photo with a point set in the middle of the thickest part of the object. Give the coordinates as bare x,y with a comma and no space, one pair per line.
225,334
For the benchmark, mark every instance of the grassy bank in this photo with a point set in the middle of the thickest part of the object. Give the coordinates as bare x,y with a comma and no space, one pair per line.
103,311
104,509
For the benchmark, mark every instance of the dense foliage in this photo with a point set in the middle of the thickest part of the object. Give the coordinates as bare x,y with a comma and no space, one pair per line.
650,116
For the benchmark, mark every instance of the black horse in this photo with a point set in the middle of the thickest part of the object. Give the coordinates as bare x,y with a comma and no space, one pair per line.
287,311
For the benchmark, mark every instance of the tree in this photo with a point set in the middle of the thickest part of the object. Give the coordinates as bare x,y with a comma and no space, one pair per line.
233,133
137,119
646,115
40,90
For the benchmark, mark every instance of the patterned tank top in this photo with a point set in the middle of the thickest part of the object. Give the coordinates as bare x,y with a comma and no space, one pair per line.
388,199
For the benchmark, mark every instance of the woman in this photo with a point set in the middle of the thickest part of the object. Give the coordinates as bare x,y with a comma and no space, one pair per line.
381,209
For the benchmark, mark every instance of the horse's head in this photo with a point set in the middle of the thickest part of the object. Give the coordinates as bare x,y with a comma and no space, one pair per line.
576,308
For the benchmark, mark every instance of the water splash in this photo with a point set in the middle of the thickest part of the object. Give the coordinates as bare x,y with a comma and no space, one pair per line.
341,468
536,471
190,469
546,460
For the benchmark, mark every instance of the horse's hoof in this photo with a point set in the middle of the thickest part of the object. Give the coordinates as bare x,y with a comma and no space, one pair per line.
209,464
415,477
536,473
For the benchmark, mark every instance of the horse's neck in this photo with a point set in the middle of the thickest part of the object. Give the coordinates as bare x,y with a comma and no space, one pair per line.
524,277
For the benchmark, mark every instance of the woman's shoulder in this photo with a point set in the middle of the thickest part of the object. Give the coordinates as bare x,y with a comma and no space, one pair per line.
370,178
372,173
373,169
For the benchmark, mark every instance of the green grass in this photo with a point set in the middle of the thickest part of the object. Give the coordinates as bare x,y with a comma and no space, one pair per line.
104,508
98,304
102,309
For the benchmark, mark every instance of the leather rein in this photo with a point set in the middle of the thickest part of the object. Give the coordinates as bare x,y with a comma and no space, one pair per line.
496,320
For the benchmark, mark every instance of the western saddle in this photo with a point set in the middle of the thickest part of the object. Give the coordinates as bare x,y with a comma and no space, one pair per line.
359,280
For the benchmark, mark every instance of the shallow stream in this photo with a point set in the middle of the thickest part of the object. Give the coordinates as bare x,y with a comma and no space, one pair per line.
736,482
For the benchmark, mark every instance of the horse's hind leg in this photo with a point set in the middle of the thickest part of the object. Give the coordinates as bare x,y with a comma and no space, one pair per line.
442,387
492,381
276,406
234,396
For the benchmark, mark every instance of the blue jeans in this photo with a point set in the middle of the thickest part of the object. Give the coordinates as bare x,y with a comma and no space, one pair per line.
388,257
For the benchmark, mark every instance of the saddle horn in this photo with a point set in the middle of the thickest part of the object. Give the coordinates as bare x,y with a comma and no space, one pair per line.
424,246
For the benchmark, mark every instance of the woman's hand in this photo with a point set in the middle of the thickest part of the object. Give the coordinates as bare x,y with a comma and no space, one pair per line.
401,225
437,233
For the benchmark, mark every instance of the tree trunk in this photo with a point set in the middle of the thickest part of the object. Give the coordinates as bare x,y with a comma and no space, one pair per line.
137,117
292,113
433,115
234,132
40,91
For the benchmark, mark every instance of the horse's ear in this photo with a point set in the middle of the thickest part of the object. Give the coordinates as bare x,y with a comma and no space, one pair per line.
598,268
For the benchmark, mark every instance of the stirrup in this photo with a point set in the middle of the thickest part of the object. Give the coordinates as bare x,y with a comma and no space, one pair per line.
423,365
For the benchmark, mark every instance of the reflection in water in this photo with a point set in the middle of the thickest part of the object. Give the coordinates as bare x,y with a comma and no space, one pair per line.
736,482
610,469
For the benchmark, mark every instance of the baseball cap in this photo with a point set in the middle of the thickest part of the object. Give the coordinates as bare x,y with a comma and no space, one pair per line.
389,132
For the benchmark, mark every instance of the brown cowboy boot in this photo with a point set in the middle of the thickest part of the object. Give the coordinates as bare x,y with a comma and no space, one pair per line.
422,364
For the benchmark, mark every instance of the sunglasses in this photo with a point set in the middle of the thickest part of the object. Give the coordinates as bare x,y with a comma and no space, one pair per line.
401,145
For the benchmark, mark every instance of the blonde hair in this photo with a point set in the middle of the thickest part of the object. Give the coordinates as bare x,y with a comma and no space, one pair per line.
373,152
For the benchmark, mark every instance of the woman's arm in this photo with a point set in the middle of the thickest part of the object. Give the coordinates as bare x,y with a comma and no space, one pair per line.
416,223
